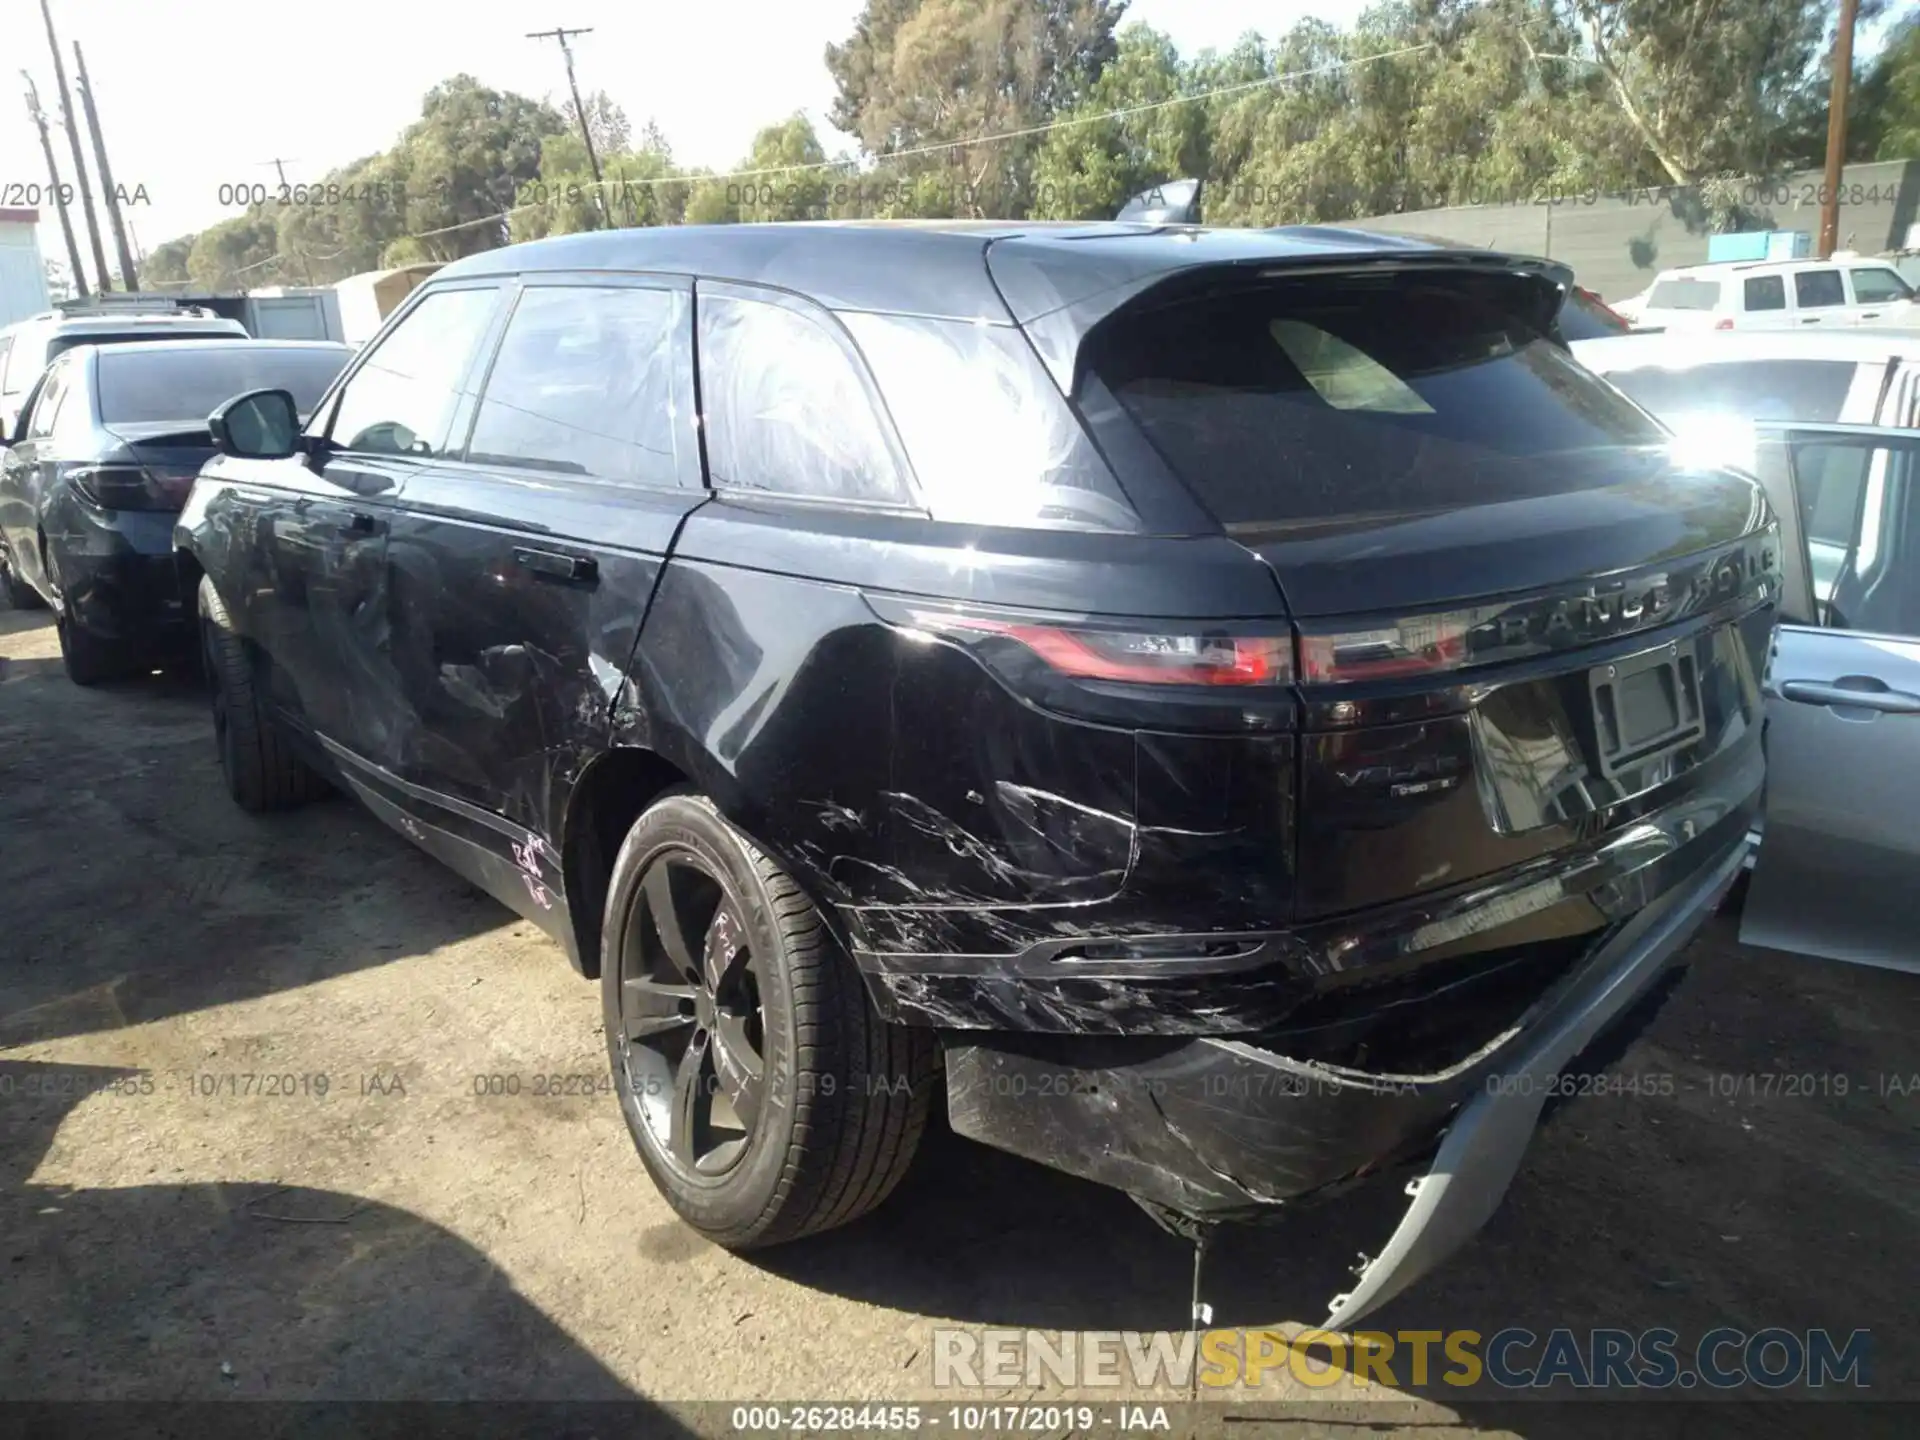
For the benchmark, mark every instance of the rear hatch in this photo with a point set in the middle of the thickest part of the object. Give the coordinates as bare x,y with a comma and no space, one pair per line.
1518,615
166,456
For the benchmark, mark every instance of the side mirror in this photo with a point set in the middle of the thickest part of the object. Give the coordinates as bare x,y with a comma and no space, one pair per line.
260,425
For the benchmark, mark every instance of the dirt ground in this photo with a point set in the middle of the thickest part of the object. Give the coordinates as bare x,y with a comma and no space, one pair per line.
169,1236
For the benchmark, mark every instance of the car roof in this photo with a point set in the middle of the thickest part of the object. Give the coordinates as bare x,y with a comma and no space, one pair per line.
937,268
1716,268
1677,350
199,347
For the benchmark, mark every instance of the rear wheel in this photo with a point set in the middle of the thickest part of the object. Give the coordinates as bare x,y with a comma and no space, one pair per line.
20,595
90,658
768,1101
261,770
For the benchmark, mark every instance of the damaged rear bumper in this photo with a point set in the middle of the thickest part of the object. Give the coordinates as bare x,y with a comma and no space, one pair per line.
1215,1127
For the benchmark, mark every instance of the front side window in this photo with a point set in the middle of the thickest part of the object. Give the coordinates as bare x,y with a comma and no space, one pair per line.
1309,401
1765,292
1876,285
1818,289
589,380
1857,506
1684,294
787,410
401,400
991,439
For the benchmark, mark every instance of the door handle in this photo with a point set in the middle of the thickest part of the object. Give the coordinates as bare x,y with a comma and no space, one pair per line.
1810,320
576,569
1875,697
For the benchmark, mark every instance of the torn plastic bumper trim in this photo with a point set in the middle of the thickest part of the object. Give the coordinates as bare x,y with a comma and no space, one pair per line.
1486,1142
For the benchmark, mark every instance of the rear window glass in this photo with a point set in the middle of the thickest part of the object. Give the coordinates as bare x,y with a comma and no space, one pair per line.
1802,390
60,344
1686,294
1308,402
188,385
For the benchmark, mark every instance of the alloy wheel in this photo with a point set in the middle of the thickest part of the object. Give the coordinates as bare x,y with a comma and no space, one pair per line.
693,1031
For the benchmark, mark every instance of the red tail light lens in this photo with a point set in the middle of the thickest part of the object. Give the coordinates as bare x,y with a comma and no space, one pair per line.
1133,657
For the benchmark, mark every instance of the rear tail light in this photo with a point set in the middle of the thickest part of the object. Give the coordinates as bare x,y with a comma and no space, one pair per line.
1605,309
1419,645
1131,656
128,487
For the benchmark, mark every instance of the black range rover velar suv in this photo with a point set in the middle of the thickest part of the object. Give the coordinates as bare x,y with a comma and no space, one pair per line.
1232,713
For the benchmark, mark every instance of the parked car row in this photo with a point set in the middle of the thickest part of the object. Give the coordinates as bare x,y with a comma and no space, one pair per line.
1238,712
108,444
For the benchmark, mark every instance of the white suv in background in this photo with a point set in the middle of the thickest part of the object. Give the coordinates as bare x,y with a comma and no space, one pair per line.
28,346
1775,294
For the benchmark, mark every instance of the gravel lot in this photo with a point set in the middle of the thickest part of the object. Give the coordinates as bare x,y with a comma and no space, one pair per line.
401,1236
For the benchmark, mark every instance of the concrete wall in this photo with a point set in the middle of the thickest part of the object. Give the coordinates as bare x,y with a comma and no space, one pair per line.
1617,243
23,279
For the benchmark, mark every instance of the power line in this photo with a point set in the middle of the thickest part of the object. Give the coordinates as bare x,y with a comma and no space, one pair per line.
560,33
943,146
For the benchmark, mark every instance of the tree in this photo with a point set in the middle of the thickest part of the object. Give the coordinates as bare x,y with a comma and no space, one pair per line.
1884,113
235,254
944,72
167,264
466,162
1708,86
1093,164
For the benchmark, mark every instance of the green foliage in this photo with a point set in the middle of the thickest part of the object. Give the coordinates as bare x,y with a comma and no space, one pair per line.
1421,103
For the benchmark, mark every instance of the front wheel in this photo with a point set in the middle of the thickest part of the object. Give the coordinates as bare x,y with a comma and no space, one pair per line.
768,1101
258,763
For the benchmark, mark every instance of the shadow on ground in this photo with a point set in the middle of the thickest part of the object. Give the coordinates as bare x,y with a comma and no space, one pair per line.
152,893
316,1296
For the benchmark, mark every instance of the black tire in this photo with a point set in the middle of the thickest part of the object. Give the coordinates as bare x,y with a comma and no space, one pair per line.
261,769
20,595
90,658
843,1096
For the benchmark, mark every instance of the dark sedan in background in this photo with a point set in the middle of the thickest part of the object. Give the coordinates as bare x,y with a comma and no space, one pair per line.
98,465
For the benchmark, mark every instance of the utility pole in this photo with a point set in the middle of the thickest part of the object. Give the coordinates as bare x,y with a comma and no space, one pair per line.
80,290
560,33
1837,129
79,164
128,280
280,169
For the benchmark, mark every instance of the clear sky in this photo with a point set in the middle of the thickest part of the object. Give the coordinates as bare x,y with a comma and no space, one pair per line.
197,94
201,93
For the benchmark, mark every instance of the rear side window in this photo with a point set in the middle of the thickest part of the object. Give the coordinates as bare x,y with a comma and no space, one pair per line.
1320,400
589,381
1818,289
401,400
1684,294
1765,292
991,439
787,409
1800,390
1877,285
